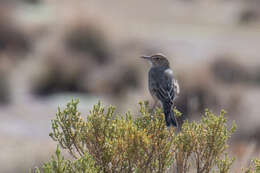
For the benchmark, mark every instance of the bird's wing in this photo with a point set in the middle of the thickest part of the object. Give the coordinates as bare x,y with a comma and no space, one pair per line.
169,89
176,88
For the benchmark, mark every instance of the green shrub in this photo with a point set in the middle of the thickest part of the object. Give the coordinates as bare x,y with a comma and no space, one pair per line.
255,168
106,142
58,164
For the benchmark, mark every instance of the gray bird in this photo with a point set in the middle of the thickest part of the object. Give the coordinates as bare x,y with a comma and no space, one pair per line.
163,86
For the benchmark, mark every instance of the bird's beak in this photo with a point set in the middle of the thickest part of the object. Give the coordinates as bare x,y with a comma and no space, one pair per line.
146,57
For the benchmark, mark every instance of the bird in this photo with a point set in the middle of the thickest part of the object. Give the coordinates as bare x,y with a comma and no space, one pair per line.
163,86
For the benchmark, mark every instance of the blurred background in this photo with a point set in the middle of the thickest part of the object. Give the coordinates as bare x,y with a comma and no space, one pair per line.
53,51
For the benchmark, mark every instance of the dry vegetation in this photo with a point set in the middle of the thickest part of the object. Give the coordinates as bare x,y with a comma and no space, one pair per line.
92,48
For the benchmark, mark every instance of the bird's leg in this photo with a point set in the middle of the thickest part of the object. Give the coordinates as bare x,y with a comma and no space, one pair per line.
177,123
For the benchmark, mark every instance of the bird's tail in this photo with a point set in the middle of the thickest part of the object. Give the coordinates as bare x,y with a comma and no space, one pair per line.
169,115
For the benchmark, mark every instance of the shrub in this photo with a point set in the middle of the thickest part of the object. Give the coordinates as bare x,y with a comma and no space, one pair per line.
255,168
106,142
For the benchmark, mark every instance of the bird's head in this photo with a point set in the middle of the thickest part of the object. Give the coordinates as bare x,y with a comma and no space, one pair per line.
157,60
